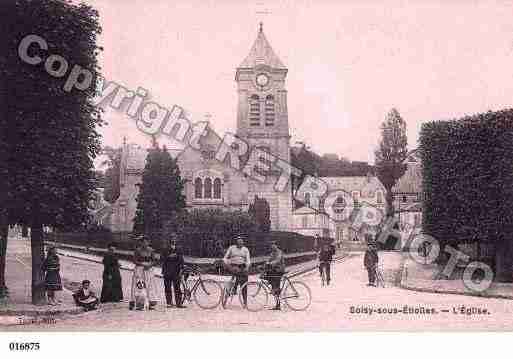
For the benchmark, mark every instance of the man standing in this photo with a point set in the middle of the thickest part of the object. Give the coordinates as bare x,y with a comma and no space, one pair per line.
172,265
237,262
275,268
325,258
370,261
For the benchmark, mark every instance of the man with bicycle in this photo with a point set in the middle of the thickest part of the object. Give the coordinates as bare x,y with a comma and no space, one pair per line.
325,257
237,261
275,268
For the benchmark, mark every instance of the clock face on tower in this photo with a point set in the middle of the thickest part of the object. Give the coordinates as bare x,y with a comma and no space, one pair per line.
262,80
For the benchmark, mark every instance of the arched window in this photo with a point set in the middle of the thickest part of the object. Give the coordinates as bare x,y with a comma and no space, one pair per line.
339,205
254,111
217,188
356,196
269,110
307,199
198,188
208,188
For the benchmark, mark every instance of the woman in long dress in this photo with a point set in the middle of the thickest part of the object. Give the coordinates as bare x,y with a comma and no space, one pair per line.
53,283
112,290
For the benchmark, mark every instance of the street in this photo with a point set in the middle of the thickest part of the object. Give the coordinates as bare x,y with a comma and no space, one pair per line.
344,306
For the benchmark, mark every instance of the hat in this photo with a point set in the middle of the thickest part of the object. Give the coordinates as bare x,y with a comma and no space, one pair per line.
86,281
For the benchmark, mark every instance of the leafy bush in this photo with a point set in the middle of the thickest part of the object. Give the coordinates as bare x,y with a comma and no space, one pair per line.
467,178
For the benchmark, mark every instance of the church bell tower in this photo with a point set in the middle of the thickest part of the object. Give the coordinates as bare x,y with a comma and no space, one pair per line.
262,121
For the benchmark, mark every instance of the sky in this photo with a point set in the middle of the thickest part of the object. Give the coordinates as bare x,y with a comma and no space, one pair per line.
348,62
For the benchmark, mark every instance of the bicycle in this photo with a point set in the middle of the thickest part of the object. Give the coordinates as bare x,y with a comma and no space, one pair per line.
380,282
229,292
295,294
206,292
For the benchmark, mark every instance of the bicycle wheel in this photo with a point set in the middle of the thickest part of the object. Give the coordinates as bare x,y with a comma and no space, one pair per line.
207,294
186,293
258,296
297,295
380,281
225,295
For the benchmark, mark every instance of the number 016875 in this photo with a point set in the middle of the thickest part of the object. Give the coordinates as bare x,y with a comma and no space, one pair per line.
13,346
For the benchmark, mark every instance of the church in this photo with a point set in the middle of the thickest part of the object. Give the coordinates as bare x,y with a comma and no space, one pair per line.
262,122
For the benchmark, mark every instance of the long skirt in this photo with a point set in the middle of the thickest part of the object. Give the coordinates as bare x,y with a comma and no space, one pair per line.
143,284
112,290
53,280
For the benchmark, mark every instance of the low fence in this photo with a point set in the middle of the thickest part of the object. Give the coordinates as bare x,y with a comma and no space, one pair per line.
197,244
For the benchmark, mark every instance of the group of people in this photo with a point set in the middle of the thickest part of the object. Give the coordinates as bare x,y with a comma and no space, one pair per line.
143,287
237,261
111,291
370,260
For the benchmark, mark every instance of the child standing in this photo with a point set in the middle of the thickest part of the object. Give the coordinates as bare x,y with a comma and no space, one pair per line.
53,282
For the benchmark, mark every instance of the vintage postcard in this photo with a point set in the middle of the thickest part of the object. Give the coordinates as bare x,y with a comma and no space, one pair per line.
255,166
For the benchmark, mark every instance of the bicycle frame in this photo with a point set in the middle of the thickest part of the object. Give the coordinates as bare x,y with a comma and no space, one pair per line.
196,282
285,280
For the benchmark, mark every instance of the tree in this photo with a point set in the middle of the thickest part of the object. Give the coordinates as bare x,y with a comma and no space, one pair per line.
261,212
160,194
52,138
4,189
112,173
391,154
467,187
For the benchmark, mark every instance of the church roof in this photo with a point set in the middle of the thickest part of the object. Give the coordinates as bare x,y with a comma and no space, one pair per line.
262,54
411,181
136,156
353,183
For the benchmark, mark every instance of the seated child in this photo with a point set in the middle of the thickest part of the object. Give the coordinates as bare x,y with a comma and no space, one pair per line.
86,298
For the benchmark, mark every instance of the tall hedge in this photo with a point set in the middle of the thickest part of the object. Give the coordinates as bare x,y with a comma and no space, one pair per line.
468,178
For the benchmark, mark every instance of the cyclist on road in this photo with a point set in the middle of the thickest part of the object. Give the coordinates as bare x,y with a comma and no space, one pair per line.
237,261
275,268
325,257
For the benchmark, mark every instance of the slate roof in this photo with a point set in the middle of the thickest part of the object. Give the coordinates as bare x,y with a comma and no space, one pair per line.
353,183
136,156
411,181
261,53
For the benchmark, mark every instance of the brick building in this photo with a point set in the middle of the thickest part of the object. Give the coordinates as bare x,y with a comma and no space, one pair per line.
262,121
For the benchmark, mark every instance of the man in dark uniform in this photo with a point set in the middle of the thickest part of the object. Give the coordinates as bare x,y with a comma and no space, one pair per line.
172,265
325,258
370,261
